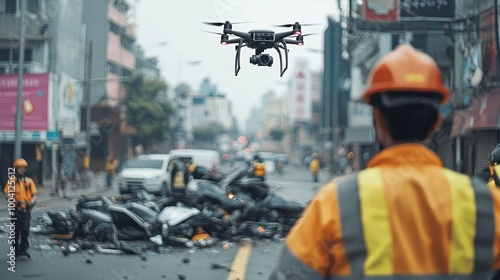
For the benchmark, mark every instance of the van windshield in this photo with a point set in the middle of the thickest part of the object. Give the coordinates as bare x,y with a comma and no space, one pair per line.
145,163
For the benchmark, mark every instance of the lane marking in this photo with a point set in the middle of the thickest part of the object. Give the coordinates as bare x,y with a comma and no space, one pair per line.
240,263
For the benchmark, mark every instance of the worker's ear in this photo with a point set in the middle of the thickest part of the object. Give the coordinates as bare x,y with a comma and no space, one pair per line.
496,174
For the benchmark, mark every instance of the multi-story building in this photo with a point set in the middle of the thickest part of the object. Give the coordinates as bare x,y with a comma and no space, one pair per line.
111,33
53,70
476,96
374,31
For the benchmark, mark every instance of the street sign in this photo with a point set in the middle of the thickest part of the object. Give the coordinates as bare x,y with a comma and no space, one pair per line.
53,135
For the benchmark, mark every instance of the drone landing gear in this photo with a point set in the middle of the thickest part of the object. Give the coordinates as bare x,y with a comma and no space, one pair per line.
282,71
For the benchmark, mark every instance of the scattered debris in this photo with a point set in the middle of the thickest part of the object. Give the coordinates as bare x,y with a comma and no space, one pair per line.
88,261
219,266
208,213
186,260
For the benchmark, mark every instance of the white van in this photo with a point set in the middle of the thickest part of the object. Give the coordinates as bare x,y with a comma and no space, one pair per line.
207,158
146,172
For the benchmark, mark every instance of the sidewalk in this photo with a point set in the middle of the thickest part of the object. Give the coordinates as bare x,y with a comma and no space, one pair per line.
44,192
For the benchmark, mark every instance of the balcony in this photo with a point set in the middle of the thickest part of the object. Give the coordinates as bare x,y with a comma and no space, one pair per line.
29,67
11,24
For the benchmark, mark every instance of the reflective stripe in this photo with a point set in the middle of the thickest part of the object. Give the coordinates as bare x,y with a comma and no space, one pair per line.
475,276
463,230
291,268
352,229
375,217
485,227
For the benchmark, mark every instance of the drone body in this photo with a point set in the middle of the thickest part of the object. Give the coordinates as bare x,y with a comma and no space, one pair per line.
260,40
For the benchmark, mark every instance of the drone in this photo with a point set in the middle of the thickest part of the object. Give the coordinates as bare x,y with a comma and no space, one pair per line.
260,40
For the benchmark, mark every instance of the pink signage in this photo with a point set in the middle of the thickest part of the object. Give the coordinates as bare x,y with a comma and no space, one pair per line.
35,102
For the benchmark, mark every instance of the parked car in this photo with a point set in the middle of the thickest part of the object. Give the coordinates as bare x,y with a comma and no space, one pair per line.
146,172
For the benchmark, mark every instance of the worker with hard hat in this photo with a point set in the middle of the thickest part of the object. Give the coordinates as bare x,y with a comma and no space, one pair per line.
405,216
314,166
20,192
494,160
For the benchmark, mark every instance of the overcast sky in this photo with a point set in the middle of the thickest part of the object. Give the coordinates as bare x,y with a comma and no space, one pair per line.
179,24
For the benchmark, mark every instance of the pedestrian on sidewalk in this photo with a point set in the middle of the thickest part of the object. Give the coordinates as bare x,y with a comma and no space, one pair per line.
20,190
314,166
110,170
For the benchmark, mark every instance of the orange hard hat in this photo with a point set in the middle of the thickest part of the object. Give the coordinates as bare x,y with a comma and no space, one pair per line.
20,162
405,69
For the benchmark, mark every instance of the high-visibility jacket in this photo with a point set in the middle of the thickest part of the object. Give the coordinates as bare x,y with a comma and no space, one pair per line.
404,217
22,190
495,181
314,165
259,169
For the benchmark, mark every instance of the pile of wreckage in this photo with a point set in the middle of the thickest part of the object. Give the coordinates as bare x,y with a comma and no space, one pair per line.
208,212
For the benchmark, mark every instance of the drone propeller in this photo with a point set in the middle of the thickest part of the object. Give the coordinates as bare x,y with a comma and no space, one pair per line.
293,24
308,34
222,23
218,33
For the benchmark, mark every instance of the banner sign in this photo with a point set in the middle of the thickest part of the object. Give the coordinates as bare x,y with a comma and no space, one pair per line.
34,102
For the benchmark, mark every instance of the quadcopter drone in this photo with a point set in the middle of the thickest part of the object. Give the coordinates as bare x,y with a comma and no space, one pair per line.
260,40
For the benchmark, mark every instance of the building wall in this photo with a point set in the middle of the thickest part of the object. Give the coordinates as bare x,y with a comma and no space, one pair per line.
95,18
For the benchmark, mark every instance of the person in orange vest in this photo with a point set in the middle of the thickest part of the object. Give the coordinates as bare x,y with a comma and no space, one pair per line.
20,192
258,168
314,166
110,170
405,216
494,160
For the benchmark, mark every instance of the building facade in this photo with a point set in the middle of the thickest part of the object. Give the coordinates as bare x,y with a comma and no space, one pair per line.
53,71
110,32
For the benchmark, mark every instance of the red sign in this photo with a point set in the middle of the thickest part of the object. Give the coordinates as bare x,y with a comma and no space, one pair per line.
381,10
35,102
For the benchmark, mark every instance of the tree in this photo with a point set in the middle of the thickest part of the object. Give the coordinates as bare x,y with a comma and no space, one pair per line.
208,133
146,112
277,134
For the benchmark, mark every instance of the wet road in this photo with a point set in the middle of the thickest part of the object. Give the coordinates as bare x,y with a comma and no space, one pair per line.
254,260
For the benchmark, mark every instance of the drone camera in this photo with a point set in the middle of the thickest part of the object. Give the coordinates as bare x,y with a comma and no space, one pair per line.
263,59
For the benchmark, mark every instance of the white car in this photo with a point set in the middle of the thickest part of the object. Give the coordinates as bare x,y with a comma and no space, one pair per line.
147,172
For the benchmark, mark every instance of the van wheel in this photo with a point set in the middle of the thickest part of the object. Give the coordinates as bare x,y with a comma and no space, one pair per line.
163,191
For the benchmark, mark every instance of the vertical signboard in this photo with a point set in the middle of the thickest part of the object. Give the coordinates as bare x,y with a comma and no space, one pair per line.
301,92
69,105
381,10
34,102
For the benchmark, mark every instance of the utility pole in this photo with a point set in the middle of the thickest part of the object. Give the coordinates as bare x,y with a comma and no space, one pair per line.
88,111
20,70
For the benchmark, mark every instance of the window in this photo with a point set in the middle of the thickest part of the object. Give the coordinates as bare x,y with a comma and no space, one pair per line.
113,27
126,73
127,42
28,55
32,6
10,6
4,54
113,68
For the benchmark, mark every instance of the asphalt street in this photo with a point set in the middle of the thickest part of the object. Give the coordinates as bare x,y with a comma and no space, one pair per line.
223,260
